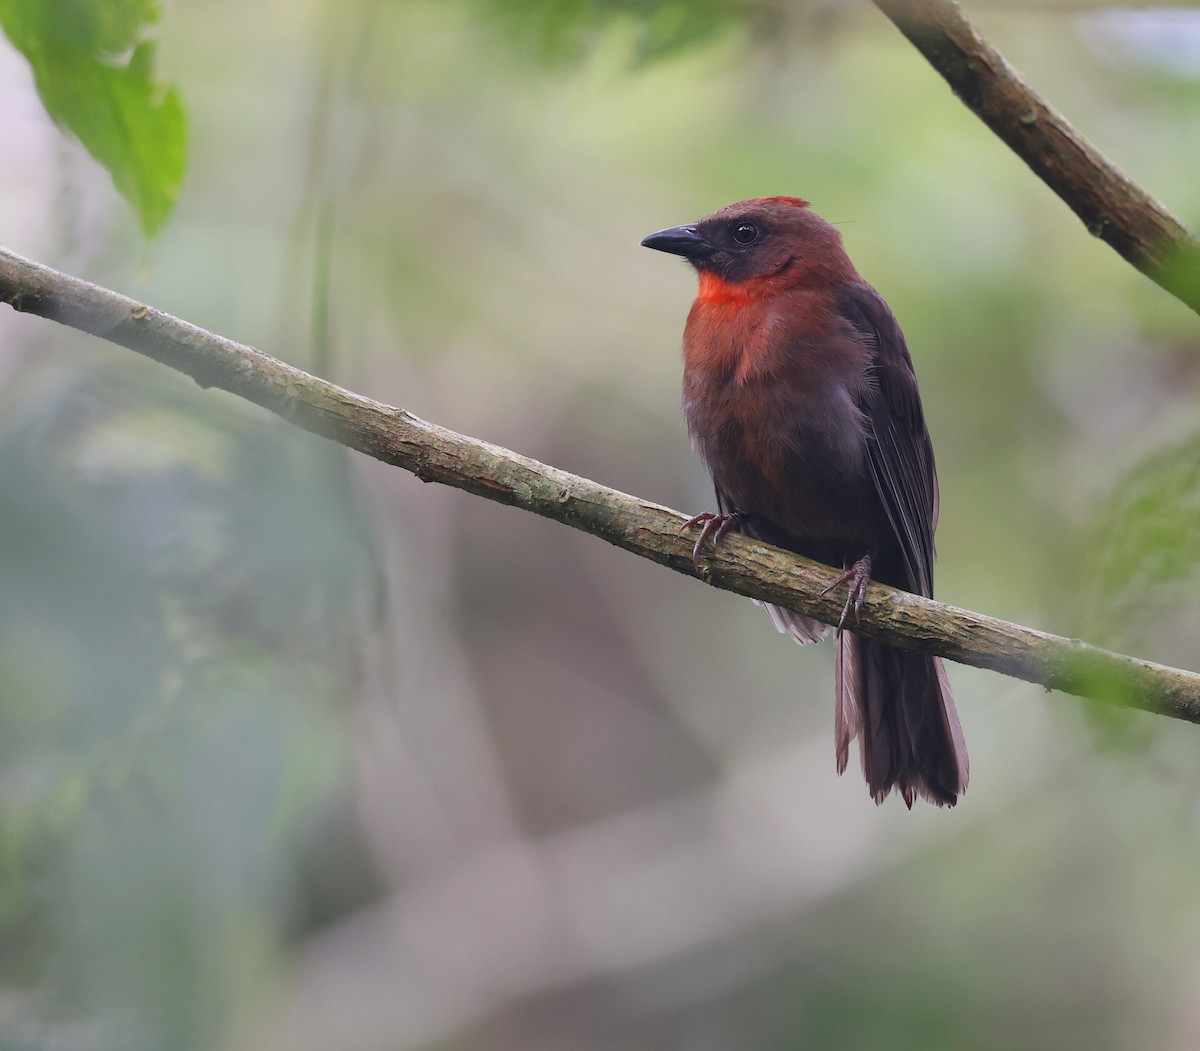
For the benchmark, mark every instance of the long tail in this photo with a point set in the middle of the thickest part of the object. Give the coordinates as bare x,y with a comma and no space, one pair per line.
898,704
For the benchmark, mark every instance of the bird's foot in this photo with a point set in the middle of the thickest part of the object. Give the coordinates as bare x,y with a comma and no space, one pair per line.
712,525
858,576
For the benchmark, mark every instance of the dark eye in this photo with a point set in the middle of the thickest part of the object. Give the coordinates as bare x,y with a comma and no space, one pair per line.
744,233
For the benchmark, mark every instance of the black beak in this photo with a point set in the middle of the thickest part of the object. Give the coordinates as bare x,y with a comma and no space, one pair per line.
686,241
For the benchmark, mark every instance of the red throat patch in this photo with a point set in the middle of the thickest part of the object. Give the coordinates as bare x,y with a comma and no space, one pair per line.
718,292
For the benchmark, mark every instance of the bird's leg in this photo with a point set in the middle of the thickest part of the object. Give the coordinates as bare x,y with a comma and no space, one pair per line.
858,576
712,525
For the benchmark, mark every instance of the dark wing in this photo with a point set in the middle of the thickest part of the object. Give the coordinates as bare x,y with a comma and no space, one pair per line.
899,449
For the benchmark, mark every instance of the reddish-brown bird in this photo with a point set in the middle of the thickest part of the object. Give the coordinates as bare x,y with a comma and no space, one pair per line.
800,396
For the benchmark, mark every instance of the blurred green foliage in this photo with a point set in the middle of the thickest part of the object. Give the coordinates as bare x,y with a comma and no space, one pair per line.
1148,541
176,626
558,31
1143,551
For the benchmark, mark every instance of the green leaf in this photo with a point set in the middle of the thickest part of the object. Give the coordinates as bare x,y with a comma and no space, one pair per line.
1152,529
1146,545
94,66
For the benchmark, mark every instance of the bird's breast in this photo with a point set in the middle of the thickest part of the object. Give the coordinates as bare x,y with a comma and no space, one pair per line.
770,404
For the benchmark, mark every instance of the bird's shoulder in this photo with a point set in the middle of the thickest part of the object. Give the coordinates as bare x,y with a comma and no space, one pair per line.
894,379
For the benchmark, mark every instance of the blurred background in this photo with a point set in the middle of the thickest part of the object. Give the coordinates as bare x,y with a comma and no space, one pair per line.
299,753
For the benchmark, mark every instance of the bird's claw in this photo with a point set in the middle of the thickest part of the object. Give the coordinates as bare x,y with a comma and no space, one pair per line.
712,525
858,576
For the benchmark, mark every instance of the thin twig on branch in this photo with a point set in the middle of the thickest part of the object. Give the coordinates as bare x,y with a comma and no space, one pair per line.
1111,205
435,454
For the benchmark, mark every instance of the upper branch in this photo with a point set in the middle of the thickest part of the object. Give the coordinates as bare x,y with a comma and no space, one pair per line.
435,454
1111,205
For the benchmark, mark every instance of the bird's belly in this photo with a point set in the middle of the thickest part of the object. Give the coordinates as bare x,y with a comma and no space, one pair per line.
806,487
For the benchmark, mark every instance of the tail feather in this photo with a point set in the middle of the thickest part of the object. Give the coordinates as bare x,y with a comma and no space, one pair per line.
898,703
847,718
802,629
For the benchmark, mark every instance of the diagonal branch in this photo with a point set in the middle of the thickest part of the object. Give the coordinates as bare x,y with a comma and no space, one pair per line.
435,454
1110,204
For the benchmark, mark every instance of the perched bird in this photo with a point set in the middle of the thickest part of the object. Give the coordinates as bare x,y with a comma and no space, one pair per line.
800,396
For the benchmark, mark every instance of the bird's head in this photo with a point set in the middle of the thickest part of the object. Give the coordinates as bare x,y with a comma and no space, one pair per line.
756,239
